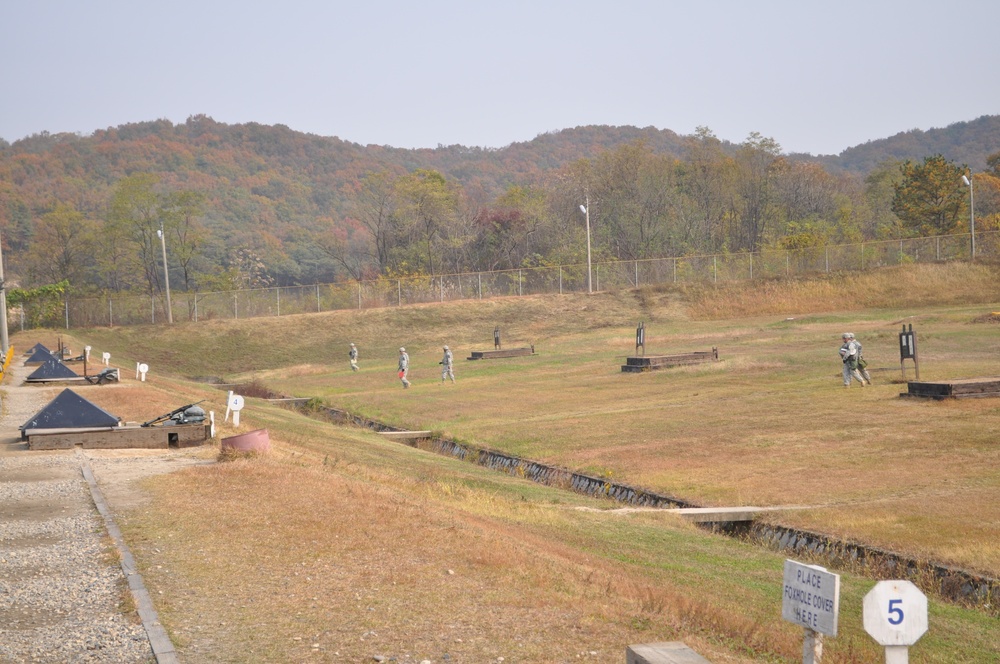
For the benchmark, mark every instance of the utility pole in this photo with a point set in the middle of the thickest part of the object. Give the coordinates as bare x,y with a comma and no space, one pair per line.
166,273
4,341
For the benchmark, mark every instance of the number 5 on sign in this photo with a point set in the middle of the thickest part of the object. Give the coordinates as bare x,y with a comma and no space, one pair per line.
895,615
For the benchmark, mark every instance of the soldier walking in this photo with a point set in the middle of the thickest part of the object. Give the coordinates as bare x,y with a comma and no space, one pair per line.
404,367
447,365
862,363
849,355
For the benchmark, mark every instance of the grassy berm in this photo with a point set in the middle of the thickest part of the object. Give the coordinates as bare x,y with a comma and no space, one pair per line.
341,546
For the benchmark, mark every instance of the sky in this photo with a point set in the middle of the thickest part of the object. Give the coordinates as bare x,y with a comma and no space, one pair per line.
815,77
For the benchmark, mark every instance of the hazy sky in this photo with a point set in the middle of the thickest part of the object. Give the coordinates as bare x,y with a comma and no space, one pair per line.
816,77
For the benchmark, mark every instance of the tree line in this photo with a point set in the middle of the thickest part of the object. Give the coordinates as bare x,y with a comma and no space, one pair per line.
274,225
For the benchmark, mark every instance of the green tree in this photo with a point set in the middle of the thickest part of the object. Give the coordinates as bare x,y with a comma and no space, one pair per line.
758,162
62,247
930,199
428,204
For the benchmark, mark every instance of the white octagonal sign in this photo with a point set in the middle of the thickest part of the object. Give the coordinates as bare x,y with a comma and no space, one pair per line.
895,613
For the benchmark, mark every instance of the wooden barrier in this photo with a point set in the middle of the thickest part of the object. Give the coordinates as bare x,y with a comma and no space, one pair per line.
654,362
966,388
495,354
671,652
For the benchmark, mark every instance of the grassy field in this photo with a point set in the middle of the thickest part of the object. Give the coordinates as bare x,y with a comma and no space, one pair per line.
358,546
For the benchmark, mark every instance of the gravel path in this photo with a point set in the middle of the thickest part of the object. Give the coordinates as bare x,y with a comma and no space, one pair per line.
63,595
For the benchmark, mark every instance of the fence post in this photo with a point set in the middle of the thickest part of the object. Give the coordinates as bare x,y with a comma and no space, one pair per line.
597,274
786,263
900,252
827,252
862,255
359,295
236,306
399,294
751,265
937,249
196,306
277,296
152,310
480,275
442,287
715,269
637,274
560,279
111,315
520,291
67,313
675,269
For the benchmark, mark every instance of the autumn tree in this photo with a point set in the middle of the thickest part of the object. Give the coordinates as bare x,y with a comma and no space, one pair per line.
61,248
930,198
757,165
427,205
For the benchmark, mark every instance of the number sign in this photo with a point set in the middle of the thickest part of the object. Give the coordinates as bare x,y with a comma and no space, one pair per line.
895,613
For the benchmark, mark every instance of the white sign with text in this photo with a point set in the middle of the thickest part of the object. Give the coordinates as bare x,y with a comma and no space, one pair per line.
811,597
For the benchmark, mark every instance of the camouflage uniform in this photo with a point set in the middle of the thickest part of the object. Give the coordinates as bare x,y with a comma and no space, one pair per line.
849,355
404,367
354,357
447,365
862,370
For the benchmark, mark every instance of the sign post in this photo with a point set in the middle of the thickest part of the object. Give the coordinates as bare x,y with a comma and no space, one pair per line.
640,338
811,598
496,338
895,615
908,350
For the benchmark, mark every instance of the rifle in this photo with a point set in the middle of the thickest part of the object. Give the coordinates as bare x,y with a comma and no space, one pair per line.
171,414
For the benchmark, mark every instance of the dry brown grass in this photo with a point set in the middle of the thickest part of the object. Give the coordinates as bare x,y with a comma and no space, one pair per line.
378,526
317,566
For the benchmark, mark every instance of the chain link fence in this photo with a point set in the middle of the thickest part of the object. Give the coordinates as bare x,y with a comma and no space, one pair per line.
607,276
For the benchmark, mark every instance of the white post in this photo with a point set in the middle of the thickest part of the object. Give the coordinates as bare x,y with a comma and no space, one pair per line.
399,293
897,655
480,275
715,269
359,295
560,279
812,647
637,274
317,298
277,297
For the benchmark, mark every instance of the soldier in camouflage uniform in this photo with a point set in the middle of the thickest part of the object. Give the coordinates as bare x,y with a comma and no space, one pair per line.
862,364
447,365
404,367
849,355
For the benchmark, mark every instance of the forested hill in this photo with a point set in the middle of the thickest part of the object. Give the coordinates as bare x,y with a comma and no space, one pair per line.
962,142
305,208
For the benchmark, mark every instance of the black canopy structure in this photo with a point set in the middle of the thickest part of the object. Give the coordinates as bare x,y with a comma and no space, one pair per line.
40,355
70,410
36,347
51,369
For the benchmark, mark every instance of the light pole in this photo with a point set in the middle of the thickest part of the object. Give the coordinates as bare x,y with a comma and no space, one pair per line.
585,209
967,181
166,273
